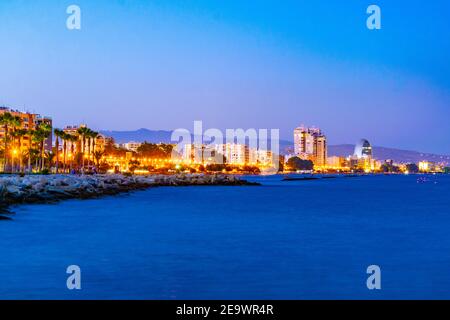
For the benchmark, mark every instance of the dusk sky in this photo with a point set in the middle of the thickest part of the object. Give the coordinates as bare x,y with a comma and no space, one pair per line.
235,64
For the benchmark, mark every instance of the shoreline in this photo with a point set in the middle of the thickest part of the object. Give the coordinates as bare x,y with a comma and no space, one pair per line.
42,189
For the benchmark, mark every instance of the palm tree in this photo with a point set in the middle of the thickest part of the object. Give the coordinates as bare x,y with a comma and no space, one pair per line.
72,139
88,141
14,152
83,132
59,135
30,134
20,134
32,153
5,120
46,130
66,137
15,123
49,155
39,136
98,156
37,139
94,136
91,136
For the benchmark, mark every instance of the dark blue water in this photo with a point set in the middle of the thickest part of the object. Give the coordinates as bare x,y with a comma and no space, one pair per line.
283,240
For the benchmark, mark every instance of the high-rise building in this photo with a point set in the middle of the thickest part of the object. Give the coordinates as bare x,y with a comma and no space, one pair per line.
202,154
311,144
363,149
235,153
320,151
29,121
336,162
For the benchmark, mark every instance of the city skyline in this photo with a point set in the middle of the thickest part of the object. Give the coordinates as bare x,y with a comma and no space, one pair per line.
133,62
312,148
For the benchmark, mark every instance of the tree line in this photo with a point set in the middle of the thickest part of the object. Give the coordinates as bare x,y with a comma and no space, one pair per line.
23,149
13,139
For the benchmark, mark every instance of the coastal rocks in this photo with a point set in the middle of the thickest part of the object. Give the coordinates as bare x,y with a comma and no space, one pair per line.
47,189
200,180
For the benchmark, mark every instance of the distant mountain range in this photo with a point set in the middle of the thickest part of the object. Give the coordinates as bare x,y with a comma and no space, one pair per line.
160,136
141,135
397,155
163,136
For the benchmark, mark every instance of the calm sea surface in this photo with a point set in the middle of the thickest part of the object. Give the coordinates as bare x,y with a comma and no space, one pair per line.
283,240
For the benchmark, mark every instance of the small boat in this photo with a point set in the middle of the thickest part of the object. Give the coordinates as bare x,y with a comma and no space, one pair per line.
300,178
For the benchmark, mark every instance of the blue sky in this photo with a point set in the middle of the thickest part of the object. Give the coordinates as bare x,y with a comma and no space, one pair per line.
250,64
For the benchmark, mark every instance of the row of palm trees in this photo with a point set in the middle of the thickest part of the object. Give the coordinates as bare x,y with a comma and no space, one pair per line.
13,146
87,138
13,138
65,138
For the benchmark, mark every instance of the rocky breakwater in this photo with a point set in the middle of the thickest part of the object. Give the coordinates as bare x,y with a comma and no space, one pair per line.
52,188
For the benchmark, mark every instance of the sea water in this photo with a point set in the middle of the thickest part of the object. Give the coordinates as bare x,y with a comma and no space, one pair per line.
282,240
